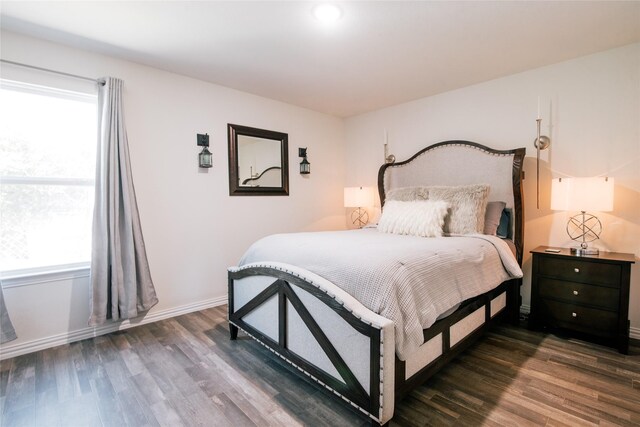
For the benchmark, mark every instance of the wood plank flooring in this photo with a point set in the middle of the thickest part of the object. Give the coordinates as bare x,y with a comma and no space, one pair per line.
185,371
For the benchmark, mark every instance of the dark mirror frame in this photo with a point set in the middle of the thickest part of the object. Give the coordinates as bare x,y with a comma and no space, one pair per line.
234,188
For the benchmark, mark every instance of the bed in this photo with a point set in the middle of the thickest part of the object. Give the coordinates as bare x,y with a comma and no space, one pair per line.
353,338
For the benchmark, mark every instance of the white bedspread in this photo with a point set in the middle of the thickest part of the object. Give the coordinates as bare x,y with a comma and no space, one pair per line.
409,280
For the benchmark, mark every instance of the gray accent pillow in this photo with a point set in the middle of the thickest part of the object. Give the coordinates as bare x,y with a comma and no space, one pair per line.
492,217
467,207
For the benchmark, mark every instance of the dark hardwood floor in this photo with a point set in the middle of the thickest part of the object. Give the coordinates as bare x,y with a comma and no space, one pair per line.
185,371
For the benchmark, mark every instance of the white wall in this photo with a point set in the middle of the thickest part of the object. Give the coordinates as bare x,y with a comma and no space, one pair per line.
591,111
193,230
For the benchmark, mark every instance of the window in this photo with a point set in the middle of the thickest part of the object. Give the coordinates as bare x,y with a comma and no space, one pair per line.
47,166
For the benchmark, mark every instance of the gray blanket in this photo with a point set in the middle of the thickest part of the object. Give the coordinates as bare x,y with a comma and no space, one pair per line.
409,280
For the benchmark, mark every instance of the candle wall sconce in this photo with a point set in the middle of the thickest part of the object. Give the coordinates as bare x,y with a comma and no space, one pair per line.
205,158
388,158
540,143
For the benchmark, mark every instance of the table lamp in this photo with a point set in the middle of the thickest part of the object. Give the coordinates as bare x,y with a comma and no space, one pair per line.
583,194
358,197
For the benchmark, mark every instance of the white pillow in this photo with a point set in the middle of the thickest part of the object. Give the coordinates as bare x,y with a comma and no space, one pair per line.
416,218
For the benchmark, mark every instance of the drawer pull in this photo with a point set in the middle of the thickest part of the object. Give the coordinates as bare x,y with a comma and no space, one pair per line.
574,314
575,292
577,270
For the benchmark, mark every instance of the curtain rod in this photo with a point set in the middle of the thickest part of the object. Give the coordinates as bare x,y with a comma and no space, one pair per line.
47,70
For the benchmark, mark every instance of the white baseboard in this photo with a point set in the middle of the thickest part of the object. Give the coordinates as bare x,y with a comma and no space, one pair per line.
8,351
633,331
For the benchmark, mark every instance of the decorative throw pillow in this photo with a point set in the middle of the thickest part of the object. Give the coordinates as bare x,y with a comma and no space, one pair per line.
504,229
408,194
467,206
423,218
492,217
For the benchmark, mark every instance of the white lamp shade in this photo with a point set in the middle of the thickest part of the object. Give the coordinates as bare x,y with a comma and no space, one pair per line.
582,194
358,197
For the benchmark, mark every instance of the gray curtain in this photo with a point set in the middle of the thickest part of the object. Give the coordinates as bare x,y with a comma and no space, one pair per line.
120,276
7,333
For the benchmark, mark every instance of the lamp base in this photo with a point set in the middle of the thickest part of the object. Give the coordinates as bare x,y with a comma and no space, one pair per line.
584,251
359,217
586,227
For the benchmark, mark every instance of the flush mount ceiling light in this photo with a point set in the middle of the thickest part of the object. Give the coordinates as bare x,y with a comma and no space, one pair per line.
327,13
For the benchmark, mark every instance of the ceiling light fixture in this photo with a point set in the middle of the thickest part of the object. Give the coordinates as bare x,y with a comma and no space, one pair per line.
327,13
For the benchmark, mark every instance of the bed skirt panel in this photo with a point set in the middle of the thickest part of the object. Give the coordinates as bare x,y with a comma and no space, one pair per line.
457,332
498,303
451,335
426,353
462,328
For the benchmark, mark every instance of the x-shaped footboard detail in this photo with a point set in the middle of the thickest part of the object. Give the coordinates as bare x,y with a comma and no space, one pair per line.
347,385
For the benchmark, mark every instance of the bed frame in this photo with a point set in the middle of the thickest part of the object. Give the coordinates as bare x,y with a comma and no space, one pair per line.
331,337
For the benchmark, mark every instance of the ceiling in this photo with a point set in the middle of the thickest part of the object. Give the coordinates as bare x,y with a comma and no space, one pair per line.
380,53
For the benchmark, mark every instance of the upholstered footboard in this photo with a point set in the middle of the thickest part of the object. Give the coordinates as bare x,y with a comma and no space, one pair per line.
318,328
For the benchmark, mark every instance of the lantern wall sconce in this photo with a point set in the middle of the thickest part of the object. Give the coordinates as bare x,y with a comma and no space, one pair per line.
305,166
205,158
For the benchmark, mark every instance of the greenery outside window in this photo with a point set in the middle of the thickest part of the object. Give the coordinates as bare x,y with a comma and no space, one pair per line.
48,142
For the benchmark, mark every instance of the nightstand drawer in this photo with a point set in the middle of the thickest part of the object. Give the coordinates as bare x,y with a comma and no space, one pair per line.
579,318
580,271
578,293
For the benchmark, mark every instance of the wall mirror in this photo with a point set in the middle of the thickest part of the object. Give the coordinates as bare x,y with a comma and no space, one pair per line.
258,162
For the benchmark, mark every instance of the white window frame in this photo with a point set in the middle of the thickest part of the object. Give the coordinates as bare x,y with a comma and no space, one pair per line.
48,273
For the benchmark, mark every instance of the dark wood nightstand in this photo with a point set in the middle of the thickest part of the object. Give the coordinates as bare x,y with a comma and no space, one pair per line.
584,294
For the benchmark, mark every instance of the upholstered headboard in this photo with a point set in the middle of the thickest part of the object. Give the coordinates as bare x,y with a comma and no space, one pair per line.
456,163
